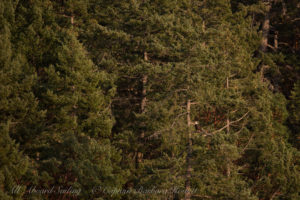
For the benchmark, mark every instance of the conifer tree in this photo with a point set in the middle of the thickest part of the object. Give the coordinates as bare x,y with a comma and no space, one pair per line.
294,115
66,122
144,42
16,101
165,99
263,166
13,166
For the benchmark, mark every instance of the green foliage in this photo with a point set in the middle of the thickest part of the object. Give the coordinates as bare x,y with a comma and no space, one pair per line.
94,95
13,166
294,118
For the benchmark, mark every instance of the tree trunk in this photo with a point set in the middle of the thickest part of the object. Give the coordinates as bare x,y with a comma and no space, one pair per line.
144,80
228,170
227,121
265,34
284,9
188,158
276,40
265,30
72,20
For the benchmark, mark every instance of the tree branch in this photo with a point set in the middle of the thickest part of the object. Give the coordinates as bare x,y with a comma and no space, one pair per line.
273,48
245,147
157,133
221,129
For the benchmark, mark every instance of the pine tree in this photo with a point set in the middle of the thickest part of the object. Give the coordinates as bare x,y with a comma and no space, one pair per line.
145,40
17,108
264,169
294,115
13,166
65,129
174,99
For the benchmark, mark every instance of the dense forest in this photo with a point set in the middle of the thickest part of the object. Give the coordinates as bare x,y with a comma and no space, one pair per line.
149,99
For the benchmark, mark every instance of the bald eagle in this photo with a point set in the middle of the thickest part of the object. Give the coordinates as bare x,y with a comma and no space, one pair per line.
197,127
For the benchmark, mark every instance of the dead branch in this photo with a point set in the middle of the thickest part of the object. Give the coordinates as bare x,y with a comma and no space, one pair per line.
157,133
245,147
221,129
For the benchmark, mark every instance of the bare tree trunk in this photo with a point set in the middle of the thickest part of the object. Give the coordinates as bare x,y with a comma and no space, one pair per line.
228,124
284,9
144,93
265,34
265,29
144,80
188,158
227,121
228,170
72,20
276,40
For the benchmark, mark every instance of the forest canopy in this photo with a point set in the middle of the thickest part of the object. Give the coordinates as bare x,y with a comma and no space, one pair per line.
149,99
